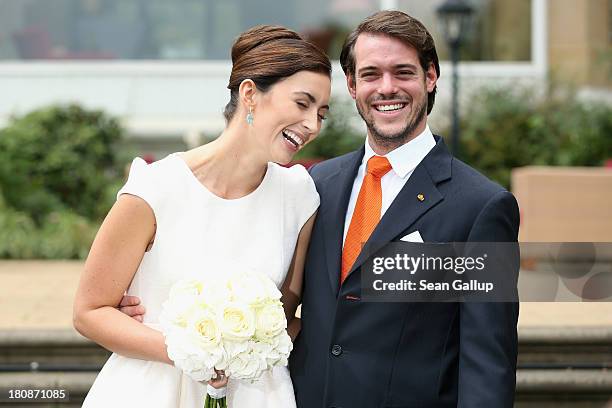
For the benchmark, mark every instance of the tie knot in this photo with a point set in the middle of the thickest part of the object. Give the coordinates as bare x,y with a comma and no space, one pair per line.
378,166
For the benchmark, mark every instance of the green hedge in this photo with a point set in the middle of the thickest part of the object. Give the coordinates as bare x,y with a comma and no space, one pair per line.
507,128
58,175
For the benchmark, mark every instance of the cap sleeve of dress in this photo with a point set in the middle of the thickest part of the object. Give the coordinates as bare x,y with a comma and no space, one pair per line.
142,182
306,198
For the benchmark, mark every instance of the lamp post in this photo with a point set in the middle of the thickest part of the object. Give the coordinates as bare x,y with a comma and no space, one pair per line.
454,16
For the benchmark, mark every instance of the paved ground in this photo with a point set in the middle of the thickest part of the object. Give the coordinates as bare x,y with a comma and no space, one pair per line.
39,295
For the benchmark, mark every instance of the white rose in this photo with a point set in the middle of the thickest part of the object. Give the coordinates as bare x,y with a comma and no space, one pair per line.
187,356
237,321
177,311
180,305
249,364
186,287
263,351
233,348
252,288
270,321
215,292
281,347
204,328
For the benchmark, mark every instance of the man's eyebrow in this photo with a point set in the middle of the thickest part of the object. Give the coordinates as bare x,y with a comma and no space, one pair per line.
368,68
375,68
311,98
400,66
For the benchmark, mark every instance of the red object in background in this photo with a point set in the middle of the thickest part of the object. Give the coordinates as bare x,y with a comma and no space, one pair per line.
608,164
149,158
34,42
308,163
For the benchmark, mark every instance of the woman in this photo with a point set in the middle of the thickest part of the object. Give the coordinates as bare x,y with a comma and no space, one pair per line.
191,214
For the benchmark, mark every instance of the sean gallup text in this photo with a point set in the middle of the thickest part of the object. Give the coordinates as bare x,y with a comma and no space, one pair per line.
473,285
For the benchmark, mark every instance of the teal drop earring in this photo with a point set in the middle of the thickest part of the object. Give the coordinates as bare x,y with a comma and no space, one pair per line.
249,116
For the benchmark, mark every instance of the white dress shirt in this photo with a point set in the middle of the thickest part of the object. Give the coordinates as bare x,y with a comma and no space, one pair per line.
403,161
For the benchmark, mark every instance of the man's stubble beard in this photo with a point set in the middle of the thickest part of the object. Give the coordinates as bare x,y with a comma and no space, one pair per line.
392,141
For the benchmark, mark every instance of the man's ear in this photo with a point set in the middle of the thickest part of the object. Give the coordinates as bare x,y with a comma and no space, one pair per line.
350,84
431,78
248,92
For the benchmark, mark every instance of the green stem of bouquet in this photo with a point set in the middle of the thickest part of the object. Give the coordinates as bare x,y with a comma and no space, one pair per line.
210,402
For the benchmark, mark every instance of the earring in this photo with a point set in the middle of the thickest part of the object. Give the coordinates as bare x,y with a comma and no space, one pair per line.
249,116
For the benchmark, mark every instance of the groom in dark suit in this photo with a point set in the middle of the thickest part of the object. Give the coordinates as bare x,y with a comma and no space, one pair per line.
352,353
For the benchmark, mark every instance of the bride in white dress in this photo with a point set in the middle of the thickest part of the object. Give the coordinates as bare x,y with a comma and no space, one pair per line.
192,214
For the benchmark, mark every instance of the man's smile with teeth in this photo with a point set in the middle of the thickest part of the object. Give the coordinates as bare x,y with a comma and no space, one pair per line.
388,108
293,138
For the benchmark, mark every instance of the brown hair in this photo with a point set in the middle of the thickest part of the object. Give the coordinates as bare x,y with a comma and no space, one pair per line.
398,25
267,54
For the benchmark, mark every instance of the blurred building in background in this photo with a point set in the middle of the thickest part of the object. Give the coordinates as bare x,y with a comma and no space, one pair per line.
162,66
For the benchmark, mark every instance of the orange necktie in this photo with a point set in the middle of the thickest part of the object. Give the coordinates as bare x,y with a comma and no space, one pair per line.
366,214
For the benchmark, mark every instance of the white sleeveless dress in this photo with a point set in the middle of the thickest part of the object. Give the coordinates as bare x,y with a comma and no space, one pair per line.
197,234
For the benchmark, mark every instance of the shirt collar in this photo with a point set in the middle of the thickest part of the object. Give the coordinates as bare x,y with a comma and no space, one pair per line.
405,158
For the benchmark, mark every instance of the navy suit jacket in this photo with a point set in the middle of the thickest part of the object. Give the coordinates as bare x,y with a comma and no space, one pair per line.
352,354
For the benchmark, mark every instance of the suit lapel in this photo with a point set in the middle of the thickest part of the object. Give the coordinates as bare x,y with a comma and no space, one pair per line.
338,187
407,207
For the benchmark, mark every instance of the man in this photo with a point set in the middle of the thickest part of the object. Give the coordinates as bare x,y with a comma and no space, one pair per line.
352,353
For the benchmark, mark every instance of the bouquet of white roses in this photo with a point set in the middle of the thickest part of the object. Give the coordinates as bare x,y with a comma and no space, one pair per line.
236,324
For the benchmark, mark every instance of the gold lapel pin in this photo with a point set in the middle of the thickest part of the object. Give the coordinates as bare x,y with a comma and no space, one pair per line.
420,197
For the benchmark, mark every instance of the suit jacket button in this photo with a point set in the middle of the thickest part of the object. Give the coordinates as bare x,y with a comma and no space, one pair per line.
336,350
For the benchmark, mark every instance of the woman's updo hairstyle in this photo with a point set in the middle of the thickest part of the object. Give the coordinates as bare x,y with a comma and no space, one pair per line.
266,54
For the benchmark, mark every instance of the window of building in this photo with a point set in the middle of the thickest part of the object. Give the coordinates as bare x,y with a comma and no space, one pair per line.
205,29
500,29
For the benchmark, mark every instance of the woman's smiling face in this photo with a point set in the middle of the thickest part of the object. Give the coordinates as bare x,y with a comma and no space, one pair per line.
290,114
